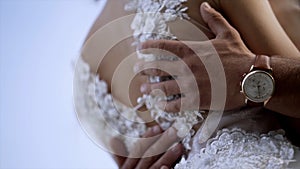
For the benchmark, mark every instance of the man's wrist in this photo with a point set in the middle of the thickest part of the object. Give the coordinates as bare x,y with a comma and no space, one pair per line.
258,83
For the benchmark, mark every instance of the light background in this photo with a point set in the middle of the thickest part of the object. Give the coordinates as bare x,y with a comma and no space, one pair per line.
38,126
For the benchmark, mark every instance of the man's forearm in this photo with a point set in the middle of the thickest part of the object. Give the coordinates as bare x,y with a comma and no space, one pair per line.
286,99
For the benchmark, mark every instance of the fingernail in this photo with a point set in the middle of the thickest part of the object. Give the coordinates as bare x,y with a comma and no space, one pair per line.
156,129
175,149
206,5
164,167
143,88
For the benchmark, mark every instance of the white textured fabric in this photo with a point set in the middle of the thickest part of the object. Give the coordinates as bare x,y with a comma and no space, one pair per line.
151,23
99,113
229,148
235,148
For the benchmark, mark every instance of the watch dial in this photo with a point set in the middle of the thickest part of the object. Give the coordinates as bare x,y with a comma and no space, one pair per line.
258,86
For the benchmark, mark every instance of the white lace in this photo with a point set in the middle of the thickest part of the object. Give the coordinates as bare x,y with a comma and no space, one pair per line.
235,148
152,16
111,118
107,116
228,149
150,23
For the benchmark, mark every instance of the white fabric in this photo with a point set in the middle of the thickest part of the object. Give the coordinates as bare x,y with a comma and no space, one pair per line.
233,148
101,116
151,23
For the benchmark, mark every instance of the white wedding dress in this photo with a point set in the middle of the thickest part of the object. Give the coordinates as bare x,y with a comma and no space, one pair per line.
231,147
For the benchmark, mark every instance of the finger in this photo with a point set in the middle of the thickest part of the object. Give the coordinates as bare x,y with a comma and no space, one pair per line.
164,167
175,47
159,68
141,146
171,106
168,138
187,102
216,22
169,158
119,151
169,87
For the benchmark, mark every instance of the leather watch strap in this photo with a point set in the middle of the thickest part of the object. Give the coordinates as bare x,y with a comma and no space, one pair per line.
262,62
253,104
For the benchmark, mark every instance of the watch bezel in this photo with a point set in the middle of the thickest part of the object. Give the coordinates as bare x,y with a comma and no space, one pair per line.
250,74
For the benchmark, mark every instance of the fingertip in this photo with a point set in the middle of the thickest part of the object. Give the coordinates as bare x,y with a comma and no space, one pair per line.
164,167
205,6
204,9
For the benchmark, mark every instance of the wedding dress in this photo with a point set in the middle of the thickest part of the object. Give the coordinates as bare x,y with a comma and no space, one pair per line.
104,117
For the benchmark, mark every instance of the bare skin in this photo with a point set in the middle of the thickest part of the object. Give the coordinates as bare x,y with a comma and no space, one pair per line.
225,34
107,68
236,61
263,43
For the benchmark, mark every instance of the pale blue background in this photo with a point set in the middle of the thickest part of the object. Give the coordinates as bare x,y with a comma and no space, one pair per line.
38,126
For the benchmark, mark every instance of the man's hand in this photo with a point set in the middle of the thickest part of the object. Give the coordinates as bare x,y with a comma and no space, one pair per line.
151,151
195,58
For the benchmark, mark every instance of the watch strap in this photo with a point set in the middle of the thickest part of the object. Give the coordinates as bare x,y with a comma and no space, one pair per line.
254,104
262,62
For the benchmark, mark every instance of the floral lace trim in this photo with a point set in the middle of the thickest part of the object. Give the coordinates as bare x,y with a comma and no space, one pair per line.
108,117
236,148
151,23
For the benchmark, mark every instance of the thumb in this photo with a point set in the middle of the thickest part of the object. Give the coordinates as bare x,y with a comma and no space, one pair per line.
216,22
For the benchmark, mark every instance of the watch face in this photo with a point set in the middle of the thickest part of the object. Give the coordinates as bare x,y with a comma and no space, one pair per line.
258,86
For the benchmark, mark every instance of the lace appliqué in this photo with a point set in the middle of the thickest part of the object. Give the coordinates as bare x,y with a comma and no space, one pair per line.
235,148
96,105
150,23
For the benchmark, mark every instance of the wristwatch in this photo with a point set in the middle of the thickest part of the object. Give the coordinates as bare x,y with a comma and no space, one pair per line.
258,85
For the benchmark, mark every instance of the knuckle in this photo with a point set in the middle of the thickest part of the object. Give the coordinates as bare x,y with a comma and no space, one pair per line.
215,17
162,44
231,33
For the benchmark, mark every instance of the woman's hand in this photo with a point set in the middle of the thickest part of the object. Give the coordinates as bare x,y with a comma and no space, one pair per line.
214,68
151,151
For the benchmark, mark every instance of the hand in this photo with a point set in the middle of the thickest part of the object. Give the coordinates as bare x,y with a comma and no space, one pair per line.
153,152
198,66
